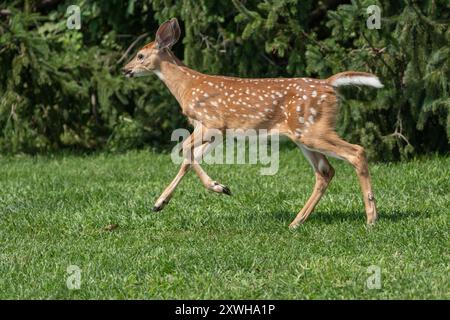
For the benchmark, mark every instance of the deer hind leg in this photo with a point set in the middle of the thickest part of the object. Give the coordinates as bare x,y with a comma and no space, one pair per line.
333,145
324,173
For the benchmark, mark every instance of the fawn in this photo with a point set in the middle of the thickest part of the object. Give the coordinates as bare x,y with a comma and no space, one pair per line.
302,109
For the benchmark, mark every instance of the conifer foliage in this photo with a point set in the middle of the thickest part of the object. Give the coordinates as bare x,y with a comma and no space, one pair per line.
62,88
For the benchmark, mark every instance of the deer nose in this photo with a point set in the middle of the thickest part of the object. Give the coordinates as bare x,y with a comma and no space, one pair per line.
127,72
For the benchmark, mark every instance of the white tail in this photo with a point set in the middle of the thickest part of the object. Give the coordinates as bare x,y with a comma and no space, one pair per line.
355,78
303,109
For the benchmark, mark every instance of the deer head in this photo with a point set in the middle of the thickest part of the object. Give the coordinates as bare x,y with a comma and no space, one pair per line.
148,58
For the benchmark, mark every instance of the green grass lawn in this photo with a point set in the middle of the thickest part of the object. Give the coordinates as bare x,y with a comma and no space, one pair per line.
53,211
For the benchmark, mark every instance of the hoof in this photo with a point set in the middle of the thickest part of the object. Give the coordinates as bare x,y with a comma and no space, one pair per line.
226,190
372,219
220,188
297,222
159,207
156,208
293,226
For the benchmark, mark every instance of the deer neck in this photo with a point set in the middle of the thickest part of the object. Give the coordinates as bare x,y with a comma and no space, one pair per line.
175,75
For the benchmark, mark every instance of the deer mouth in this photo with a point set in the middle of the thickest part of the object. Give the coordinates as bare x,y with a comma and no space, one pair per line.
128,73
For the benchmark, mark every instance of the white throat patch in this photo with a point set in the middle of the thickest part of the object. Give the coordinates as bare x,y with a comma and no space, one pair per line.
159,74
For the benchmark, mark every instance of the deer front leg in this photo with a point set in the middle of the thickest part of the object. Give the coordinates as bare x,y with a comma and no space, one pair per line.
167,194
188,149
209,183
189,162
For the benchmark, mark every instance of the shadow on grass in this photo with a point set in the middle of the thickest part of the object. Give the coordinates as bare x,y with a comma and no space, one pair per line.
340,215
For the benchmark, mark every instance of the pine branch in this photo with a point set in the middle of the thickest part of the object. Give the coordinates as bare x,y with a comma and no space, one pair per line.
47,4
252,15
424,18
379,56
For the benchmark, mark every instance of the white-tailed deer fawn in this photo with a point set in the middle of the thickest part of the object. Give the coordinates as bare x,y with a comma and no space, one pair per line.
301,108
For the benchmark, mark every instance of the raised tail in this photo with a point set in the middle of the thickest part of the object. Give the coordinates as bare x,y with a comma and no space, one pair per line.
349,78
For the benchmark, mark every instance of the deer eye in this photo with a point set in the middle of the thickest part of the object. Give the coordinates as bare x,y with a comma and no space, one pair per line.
140,56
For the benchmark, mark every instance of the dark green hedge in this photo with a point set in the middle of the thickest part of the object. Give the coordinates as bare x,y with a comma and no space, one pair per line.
62,88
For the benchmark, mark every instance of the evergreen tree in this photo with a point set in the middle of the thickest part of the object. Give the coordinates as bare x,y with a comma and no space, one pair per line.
62,88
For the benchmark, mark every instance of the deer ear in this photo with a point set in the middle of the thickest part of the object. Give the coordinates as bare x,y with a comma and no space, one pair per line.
168,34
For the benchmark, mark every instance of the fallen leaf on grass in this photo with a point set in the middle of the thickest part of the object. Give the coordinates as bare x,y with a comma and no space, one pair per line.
111,227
